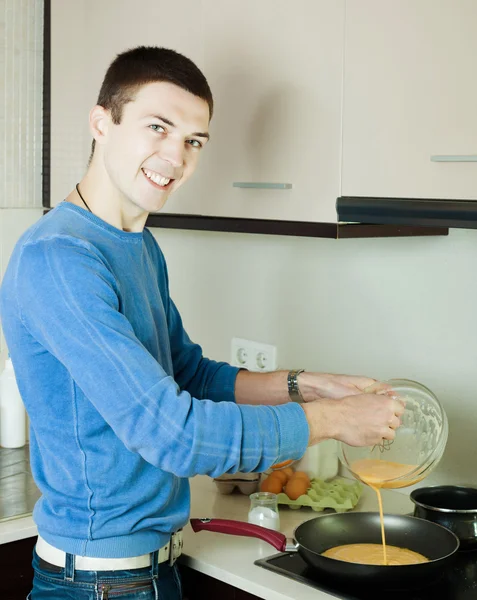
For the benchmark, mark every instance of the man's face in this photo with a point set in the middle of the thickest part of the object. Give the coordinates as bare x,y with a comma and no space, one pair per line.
156,146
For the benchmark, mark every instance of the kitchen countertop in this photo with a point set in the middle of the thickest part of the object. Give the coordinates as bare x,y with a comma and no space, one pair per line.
18,492
230,558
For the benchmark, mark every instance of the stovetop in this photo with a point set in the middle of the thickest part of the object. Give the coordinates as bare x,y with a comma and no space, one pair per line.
458,582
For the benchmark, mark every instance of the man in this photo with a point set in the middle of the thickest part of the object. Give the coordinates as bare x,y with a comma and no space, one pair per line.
123,406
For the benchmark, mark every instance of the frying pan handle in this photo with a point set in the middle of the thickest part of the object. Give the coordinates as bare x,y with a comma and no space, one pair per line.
275,538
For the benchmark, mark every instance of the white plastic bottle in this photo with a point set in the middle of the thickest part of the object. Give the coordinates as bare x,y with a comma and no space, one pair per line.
320,461
12,410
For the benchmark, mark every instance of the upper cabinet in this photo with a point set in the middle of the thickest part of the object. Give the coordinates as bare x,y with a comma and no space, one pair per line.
410,97
314,100
275,70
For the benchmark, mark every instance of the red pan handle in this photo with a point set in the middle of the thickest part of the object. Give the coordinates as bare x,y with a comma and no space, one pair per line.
275,538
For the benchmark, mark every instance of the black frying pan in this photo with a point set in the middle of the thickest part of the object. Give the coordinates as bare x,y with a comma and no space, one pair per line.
321,533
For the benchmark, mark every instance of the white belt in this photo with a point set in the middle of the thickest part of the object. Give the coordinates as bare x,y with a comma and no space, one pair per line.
171,551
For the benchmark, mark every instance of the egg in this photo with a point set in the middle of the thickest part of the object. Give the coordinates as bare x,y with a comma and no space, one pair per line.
271,484
281,478
279,475
302,475
288,472
296,487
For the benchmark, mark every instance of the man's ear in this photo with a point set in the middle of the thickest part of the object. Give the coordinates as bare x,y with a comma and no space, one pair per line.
99,119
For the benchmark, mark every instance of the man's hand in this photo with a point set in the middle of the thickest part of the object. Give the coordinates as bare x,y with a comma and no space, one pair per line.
357,420
327,385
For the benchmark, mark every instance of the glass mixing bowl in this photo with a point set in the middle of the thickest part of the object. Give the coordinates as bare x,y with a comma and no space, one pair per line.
420,440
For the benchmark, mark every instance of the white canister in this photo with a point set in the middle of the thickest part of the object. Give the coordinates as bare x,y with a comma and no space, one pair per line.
320,461
12,410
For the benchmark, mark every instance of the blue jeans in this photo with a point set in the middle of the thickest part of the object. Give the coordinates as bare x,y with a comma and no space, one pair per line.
159,582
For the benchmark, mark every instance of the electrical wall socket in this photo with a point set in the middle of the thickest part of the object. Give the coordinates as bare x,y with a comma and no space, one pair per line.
253,356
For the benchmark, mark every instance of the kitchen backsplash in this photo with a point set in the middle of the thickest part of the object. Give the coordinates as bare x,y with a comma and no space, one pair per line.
387,308
381,307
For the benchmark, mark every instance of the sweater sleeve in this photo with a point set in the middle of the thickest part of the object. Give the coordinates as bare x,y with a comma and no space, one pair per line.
200,376
69,303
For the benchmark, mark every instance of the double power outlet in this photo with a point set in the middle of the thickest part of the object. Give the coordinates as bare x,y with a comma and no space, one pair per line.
253,356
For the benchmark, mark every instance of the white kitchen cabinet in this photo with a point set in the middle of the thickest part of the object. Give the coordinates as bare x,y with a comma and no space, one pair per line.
275,162
275,69
410,93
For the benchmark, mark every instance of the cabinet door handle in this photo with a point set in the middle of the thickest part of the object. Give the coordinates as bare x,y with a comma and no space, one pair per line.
454,158
262,186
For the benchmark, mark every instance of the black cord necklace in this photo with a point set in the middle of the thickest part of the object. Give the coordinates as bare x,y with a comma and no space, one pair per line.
79,194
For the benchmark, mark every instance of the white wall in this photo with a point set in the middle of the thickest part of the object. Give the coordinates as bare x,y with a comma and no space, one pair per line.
386,308
382,307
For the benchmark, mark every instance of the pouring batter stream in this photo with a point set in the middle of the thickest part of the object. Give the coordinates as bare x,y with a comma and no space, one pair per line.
378,474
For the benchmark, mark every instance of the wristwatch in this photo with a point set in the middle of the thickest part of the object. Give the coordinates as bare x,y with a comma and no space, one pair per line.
293,389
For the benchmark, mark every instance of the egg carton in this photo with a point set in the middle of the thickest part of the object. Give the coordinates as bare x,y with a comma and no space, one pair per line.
338,494
246,483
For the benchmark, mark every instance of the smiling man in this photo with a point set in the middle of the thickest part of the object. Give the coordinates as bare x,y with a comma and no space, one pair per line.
148,136
123,406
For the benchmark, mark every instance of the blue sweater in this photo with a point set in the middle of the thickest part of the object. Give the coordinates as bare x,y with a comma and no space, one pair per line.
123,406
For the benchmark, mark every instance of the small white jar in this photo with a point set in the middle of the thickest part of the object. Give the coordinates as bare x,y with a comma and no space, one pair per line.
264,510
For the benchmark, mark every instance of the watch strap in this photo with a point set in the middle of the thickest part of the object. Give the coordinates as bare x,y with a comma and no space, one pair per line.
293,389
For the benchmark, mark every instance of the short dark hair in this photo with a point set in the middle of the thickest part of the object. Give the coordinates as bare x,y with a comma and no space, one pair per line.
136,67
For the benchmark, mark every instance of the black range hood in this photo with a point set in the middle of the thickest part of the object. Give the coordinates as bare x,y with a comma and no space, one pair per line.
408,211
